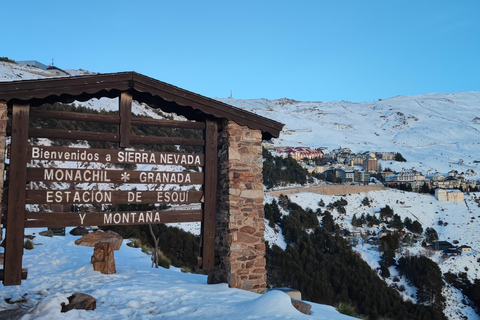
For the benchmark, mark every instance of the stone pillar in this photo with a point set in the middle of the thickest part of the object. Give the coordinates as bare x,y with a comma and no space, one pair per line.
239,241
103,259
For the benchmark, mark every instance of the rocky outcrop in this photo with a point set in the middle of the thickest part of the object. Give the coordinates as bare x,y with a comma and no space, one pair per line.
103,259
91,239
47,233
79,231
80,301
301,306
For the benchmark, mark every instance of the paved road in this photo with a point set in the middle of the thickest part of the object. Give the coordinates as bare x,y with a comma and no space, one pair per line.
327,189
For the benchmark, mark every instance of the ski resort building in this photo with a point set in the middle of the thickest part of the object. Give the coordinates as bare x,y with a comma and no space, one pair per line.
449,195
299,153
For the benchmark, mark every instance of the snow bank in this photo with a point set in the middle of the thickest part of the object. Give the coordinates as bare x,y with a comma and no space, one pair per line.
57,268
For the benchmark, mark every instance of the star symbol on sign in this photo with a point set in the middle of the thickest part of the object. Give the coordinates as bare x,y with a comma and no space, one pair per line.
125,177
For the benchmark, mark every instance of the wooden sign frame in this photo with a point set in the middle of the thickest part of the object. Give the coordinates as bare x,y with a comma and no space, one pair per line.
20,177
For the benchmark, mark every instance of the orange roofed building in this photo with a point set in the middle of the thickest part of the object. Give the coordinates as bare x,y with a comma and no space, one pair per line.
299,153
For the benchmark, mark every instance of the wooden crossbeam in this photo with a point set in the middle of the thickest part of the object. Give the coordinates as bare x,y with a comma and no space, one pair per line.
106,218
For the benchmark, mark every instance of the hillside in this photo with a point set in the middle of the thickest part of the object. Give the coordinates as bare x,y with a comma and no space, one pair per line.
438,132
58,268
434,131
458,223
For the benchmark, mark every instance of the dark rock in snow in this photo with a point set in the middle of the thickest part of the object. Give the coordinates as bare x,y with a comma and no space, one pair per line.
301,306
79,231
80,301
48,233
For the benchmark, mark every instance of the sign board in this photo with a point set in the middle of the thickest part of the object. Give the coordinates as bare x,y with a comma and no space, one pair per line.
113,176
109,197
58,219
112,156
51,158
41,177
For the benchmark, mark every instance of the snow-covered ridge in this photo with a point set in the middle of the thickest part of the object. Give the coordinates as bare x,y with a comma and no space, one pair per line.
436,131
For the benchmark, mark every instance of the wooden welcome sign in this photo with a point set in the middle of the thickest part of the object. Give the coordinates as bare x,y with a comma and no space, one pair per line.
39,178
33,167
118,177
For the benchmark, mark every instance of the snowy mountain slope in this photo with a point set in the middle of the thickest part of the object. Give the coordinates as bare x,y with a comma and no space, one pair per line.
458,223
432,131
11,72
436,131
58,268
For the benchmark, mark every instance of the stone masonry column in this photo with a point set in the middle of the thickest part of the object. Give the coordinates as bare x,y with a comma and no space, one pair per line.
239,241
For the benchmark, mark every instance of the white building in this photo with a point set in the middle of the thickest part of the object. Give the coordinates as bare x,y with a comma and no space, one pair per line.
448,195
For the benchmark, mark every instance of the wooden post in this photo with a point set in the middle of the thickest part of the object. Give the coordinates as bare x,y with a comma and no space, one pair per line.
3,126
210,194
16,196
125,110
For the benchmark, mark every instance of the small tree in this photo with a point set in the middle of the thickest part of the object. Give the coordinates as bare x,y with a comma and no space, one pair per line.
328,223
384,271
158,258
5,59
386,212
399,157
431,235
396,222
408,223
355,221
332,178
272,213
366,201
425,188
371,220
416,227
28,245
156,251
388,244
362,220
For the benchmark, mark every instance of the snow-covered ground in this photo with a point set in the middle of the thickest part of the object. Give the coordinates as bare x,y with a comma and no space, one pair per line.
434,132
458,223
57,268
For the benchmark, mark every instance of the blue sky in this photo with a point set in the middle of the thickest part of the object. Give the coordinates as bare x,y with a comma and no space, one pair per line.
304,50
